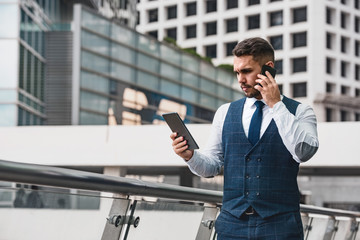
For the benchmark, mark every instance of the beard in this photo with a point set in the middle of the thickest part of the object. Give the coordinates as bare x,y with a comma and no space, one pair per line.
253,93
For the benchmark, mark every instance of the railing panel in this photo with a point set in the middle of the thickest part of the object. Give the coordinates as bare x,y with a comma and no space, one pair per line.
166,220
318,228
44,214
343,230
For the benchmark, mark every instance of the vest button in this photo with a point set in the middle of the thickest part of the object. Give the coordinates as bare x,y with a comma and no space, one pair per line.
257,176
247,193
259,159
257,194
248,159
247,176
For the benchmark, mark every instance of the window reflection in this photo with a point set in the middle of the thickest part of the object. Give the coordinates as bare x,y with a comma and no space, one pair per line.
129,118
134,99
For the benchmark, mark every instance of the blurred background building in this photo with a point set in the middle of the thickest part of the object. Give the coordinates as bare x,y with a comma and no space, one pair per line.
69,66
317,43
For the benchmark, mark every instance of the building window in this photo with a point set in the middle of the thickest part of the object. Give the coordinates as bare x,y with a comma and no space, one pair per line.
344,2
329,40
229,47
275,0
276,18
210,51
277,42
344,20
191,31
330,87
279,66
253,21
231,4
299,64
329,65
153,34
329,115
191,9
356,4
299,39
171,33
153,15
253,2
357,24
211,6
357,92
344,116
299,14
345,90
280,88
232,25
172,12
330,15
357,117
344,44
357,72
344,68
299,89
357,48
210,28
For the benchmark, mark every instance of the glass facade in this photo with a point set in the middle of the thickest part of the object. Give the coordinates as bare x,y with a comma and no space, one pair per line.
22,65
141,78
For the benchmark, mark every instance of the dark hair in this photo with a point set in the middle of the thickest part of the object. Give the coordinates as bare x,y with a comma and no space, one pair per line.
259,48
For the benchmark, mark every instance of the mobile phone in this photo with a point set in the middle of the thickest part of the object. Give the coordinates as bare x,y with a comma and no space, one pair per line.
271,70
177,125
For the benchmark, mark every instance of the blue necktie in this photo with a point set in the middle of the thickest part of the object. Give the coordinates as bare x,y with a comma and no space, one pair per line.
255,124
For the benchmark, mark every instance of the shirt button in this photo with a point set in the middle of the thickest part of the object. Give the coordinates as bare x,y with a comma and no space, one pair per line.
247,193
257,176
259,159
247,176
248,159
257,194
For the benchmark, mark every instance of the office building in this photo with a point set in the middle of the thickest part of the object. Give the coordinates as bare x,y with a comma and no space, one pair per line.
62,66
317,43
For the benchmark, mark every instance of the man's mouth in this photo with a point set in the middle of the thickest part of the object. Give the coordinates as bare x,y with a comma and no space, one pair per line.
245,87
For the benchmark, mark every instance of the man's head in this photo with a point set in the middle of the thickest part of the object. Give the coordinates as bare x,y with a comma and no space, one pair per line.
249,56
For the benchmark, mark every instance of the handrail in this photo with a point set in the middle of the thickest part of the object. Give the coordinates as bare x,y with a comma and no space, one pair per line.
69,178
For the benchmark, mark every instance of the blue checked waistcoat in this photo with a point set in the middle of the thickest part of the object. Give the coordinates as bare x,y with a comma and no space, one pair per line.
262,176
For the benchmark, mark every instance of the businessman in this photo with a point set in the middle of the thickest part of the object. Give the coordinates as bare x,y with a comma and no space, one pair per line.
259,141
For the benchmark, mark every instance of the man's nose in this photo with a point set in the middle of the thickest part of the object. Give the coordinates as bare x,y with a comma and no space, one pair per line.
241,78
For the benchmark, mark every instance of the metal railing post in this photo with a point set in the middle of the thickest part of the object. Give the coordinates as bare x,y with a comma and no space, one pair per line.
113,226
207,222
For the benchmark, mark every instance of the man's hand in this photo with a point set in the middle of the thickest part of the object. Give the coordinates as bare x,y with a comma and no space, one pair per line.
269,89
180,147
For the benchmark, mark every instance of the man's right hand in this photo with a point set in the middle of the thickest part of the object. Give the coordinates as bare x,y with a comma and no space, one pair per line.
180,147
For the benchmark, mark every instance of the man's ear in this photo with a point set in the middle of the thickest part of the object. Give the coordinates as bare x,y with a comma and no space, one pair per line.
270,63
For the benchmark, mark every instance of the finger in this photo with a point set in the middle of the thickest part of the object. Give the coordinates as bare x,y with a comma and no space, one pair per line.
181,150
173,135
180,147
177,140
269,76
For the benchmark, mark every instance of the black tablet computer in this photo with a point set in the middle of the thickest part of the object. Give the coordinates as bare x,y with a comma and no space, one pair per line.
176,124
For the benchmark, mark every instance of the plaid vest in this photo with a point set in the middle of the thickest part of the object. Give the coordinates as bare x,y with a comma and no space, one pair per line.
263,176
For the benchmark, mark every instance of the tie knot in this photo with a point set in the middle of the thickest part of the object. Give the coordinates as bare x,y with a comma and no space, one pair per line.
259,104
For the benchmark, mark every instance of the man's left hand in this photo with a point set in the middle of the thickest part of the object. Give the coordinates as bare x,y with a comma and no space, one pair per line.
269,89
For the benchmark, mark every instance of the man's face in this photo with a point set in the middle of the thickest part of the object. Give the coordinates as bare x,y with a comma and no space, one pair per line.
246,70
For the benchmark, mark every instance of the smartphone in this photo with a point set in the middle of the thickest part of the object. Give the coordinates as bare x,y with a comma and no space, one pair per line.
271,70
177,125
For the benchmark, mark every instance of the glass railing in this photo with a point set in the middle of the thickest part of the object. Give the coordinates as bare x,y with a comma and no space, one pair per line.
42,202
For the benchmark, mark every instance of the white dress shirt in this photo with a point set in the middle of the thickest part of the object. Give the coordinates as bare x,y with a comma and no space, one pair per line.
299,134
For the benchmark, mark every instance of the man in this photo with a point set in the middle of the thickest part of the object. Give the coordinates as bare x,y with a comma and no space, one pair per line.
261,196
